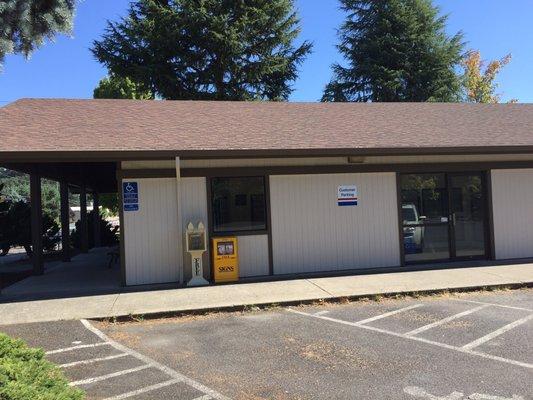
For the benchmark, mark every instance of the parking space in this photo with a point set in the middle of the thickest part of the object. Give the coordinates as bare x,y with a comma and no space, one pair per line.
453,347
469,346
456,324
105,369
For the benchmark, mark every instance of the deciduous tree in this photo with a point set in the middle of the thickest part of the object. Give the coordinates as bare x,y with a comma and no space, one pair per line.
116,87
480,78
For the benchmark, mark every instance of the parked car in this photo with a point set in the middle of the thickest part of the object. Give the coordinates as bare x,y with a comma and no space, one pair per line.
413,236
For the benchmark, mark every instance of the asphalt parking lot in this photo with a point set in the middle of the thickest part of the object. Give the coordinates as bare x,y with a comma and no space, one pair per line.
469,346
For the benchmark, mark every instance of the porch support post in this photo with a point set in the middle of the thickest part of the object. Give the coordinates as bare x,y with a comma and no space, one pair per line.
84,234
96,220
182,254
122,246
36,221
65,221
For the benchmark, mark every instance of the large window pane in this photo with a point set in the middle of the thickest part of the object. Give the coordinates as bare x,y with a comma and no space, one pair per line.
424,198
468,205
425,243
238,204
425,215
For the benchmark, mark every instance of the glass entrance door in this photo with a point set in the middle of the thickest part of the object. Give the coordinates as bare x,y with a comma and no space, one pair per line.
443,216
467,215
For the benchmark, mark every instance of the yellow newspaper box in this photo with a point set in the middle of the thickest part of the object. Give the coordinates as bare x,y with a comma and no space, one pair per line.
225,259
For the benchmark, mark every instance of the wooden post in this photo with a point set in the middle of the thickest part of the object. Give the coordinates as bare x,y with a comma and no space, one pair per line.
122,245
96,220
65,221
36,222
84,234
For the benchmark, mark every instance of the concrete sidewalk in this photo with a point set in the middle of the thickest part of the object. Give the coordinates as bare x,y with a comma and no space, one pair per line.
85,274
235,295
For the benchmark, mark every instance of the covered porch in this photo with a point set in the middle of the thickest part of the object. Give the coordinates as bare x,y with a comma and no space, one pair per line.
69,272
85,274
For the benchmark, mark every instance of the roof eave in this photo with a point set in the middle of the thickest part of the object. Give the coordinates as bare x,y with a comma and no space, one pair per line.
124,155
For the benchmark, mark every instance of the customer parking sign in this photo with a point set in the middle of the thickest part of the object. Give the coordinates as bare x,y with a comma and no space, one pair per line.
347,195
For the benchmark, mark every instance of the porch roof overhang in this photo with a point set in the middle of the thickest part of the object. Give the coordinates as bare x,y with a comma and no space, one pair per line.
98,176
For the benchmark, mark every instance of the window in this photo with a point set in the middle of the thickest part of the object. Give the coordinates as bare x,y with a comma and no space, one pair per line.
238,204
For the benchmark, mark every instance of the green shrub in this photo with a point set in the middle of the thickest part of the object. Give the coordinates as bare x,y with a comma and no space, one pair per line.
26,375
108,233
15,227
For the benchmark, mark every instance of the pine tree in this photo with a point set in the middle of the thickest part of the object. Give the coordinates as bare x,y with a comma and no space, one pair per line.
206,49
396,50
26,24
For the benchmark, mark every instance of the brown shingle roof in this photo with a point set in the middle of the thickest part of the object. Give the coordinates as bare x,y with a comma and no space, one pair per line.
186,127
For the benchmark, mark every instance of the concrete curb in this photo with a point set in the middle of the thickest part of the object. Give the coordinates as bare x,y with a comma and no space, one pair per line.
326,299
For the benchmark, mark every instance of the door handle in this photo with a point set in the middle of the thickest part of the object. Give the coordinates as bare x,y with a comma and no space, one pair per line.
453,219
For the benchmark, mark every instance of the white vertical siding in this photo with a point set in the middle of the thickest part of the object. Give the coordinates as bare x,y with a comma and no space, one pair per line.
311,233
253,255
153,241
151,234
512,204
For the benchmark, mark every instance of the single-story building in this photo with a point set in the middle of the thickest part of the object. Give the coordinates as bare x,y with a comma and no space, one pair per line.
306,188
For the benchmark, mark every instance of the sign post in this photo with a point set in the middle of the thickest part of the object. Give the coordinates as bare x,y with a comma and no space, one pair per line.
196,246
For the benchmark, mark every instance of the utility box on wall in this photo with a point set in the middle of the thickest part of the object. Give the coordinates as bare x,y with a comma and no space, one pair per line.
225,259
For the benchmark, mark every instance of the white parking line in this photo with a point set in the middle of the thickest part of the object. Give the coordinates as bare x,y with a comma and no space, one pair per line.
152,363
445,320
494,304
144,390
418,339
109,376
92,360
479,396
416,391
81,346
206,397
381,316
421,393
497,333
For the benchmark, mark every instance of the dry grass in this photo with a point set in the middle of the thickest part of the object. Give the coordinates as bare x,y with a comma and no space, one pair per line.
331,355
342,301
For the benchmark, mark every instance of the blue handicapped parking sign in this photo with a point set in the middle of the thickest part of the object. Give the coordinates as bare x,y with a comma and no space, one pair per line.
130,196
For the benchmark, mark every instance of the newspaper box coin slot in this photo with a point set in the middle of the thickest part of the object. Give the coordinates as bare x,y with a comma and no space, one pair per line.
225,259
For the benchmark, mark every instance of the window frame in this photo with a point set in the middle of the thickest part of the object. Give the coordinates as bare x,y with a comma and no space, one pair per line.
210,209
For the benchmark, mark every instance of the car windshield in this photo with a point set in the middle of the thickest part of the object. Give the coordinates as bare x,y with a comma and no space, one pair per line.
409,214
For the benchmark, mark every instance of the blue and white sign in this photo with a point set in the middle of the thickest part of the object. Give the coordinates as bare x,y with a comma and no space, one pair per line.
347,195
130,193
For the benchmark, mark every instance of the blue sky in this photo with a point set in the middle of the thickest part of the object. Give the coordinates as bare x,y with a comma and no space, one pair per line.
66,68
